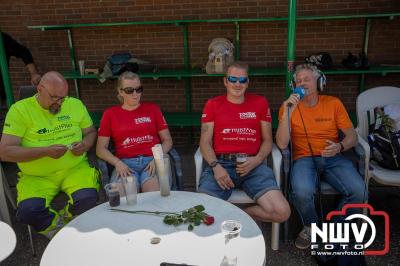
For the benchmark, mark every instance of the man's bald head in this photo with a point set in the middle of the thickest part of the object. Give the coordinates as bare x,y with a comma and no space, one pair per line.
54,80
52,90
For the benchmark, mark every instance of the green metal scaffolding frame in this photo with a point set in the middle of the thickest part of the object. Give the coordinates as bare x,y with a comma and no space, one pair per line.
188,118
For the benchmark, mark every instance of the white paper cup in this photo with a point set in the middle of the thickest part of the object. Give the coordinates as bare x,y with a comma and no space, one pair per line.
81,64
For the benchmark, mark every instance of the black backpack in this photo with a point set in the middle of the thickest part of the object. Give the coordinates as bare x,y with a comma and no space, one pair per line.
120,63
385,141
322,60
354,62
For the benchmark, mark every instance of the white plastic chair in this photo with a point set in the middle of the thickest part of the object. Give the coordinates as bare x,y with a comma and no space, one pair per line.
4,214
240,197
5,192
24,92
366,102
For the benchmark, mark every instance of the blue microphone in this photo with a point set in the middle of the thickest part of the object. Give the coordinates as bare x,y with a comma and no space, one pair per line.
300,91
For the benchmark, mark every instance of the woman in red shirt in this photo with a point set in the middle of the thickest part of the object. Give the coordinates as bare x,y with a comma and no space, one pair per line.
134,128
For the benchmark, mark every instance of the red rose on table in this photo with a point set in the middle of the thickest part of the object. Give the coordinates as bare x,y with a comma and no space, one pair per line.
193,216
208,220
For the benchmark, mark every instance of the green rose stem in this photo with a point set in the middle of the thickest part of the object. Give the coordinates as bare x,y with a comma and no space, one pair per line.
157,213
193,216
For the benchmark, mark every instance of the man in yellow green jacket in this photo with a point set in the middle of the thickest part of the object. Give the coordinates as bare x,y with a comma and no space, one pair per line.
48,136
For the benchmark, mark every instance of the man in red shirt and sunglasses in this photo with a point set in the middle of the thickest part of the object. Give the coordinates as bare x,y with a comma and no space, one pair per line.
240,123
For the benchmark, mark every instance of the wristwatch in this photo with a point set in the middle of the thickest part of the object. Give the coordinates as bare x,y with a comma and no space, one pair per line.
213,164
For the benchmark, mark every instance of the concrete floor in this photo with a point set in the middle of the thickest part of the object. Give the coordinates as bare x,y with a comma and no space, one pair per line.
382,198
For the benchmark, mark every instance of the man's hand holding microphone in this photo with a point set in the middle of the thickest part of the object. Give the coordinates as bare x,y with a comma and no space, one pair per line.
294,99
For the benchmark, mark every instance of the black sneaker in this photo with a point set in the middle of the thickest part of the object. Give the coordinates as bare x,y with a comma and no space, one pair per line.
303,240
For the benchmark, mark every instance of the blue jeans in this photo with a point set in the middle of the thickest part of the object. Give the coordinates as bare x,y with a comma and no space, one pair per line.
338,171
256,183
137,164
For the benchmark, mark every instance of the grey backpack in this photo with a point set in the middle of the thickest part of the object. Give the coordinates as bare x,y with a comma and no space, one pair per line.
220,56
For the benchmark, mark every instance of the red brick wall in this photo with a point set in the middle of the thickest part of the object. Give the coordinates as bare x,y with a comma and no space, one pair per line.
263,44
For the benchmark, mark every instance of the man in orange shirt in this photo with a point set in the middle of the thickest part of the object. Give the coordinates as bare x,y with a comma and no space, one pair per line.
315,122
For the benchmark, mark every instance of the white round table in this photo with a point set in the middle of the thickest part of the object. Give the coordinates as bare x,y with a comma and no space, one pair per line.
101,236
8,240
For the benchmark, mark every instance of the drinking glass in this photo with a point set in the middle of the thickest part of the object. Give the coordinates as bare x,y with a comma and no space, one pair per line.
112,191
241,158
130,189
230,230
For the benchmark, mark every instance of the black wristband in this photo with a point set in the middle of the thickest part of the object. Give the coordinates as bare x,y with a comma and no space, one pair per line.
213,164
341,146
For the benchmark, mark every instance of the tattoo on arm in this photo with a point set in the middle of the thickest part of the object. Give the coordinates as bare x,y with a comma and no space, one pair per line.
204,128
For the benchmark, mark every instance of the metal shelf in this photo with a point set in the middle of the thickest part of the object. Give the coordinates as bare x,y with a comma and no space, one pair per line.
190,21
179,73
275,71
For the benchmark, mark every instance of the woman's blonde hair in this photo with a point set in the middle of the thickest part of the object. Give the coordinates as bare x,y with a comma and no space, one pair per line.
126,75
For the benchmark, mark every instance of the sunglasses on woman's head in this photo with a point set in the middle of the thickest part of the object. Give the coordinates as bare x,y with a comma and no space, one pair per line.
233,79
130,90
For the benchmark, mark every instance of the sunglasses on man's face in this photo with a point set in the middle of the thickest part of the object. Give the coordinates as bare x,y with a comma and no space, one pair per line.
130,90
233,79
